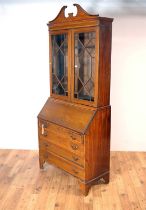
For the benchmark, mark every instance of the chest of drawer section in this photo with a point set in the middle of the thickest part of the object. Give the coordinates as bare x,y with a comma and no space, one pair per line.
62,142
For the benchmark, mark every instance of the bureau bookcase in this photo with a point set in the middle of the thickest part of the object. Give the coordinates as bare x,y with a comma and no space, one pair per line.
74,124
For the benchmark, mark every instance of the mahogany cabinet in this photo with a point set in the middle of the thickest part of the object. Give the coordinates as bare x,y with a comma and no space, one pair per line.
74,124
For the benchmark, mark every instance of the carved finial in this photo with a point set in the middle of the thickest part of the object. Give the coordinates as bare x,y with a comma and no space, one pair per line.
81,14
70,14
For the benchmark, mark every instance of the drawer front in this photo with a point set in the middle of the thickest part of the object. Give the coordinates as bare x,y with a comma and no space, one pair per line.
47,146
65,165
62,137
46,127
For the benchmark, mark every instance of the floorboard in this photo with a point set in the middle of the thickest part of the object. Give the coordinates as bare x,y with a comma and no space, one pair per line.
23,186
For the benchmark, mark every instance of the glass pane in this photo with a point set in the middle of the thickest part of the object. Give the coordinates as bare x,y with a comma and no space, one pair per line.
59,64
84,65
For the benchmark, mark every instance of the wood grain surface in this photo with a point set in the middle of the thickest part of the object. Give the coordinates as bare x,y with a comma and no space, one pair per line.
68,115
24,187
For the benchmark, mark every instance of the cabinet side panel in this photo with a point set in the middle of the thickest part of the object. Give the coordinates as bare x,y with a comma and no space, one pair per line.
105,34
97,144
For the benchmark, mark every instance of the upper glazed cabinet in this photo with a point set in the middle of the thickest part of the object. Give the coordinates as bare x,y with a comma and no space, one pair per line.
75,71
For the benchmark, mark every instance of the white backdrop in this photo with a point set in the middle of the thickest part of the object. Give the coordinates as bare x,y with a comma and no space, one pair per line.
24,75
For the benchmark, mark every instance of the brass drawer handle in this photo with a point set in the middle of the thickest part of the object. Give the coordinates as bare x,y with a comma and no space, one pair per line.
74,146
75,158
46,145
75,172
44,132
73,137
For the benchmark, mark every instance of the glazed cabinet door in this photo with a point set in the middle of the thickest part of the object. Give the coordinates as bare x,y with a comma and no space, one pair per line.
85,66
59,64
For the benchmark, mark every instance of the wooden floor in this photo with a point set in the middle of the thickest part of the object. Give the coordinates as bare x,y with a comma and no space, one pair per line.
24,186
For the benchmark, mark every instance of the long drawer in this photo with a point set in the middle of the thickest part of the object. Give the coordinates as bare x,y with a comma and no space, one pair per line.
64,164
62,137
66,133
46,146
